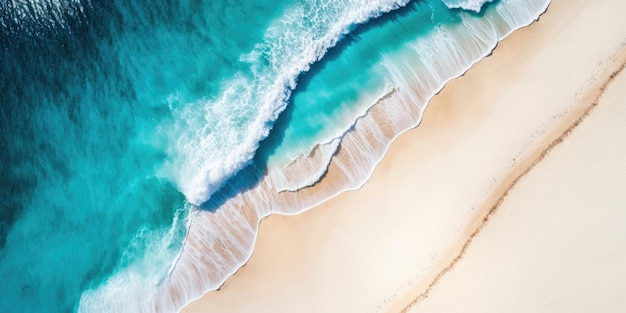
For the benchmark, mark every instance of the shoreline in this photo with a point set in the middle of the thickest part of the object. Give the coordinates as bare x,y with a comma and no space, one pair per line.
222,241
261,246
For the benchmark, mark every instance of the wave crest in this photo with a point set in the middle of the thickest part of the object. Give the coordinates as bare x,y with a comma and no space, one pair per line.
220,242
220,136
470,5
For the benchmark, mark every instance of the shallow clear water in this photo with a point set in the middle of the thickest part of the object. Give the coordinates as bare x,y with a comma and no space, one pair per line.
115,114
349,79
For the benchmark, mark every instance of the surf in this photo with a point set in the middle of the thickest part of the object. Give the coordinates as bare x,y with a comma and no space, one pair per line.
148,115
221,240
245,112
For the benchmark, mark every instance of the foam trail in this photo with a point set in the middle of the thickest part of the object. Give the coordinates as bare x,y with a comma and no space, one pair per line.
220,136
221,242
472,5
307,170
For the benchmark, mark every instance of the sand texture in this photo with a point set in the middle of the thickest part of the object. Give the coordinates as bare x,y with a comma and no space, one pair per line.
557,240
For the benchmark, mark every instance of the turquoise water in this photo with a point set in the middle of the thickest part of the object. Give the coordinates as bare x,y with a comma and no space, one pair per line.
350,79
84,113
117,116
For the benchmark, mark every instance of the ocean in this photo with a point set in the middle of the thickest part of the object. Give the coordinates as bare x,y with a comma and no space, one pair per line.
121,120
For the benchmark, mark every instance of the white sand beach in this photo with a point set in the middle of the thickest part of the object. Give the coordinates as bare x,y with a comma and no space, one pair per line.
557,241
521,139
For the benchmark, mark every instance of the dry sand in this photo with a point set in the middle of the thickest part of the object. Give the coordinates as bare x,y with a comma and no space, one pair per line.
557,242
379,248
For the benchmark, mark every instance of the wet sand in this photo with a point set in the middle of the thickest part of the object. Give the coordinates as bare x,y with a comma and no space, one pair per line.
380,247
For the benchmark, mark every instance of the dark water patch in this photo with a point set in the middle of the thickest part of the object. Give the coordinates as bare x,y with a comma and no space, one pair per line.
485,8
83,105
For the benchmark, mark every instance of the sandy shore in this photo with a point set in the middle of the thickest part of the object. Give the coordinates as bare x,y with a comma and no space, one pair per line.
381,247
557,240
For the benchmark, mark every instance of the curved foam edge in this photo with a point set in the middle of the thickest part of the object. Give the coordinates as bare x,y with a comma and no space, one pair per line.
219,243
307,170
470,5
205,165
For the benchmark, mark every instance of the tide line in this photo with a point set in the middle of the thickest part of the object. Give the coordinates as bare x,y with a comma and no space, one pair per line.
481,219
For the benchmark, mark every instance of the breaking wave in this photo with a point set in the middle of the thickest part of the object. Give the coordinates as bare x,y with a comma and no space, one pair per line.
220,136
471,5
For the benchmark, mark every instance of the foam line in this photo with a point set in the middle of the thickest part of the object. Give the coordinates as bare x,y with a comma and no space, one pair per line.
219,243
219,137
471,5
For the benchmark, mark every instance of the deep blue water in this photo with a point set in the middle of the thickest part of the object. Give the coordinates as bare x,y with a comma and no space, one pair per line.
85,111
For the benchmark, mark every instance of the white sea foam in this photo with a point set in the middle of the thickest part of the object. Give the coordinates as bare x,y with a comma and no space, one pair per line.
472,5
142,277
419,73
219,243
307,170
220,136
